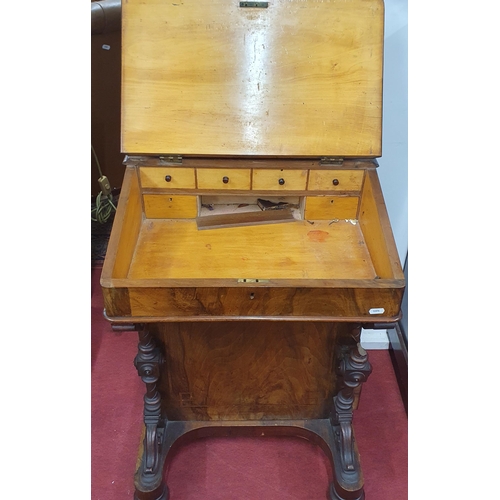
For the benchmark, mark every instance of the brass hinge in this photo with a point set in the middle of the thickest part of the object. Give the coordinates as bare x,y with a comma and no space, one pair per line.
171,159
261,5
328,160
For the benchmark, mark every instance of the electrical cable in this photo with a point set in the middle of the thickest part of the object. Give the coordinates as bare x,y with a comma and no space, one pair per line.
97,161
104,205
103,209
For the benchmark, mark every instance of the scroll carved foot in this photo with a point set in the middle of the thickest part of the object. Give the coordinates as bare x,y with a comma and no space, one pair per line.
334,495
353,369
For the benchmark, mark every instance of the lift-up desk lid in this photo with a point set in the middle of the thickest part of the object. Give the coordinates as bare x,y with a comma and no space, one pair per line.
296,78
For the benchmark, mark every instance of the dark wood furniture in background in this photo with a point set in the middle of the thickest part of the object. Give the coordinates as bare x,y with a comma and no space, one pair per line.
251,242
106,45
398,345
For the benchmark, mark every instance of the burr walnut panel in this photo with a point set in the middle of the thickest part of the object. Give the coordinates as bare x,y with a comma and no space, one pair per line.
238,371
262,302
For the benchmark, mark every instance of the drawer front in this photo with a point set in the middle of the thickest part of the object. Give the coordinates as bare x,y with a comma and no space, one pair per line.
335,180
263,302
164,206
223,178
167,177
279,180
331,207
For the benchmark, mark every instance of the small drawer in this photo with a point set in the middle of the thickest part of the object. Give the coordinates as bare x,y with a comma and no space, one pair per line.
167,177
164,206
331,207
223,178
279,180
335,180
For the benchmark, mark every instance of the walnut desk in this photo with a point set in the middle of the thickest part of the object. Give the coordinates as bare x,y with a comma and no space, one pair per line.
251,242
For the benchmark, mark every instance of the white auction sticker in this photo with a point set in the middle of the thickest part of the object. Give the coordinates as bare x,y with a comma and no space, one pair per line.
377,310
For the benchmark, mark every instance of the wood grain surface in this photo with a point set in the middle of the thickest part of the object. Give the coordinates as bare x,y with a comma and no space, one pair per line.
164,206
331,207
335,180
374,221
261,302
126,228
213,178
300,78
168,270
235,371
175,249
244,219
180,178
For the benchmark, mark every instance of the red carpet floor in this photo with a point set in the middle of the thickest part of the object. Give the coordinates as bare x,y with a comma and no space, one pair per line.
236,468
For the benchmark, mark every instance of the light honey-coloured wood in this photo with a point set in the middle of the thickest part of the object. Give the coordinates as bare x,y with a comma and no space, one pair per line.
126,227
213,178
167,270
331,207
250,218
269,180
300,78
335,180
180,178
375,223
160,206
175,249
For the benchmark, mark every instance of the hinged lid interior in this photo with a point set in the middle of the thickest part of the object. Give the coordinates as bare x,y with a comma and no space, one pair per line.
295,78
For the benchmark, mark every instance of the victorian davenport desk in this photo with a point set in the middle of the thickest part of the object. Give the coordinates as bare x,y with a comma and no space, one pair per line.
251,242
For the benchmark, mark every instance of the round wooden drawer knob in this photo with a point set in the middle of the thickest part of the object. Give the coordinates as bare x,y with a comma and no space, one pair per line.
225,180
281,182
168,178
335,182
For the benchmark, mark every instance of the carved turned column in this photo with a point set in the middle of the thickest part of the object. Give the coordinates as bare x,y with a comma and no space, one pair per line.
353,369
149,480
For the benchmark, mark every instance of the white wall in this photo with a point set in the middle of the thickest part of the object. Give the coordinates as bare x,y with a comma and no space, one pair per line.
393,170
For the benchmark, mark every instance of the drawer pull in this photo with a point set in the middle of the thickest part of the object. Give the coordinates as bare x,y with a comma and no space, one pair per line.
335,182
168,178
225,180
281,182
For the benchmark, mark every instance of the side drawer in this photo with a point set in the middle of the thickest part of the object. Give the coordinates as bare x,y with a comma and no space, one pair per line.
164,206
335,180
223,178
331,207
279,180
167,177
